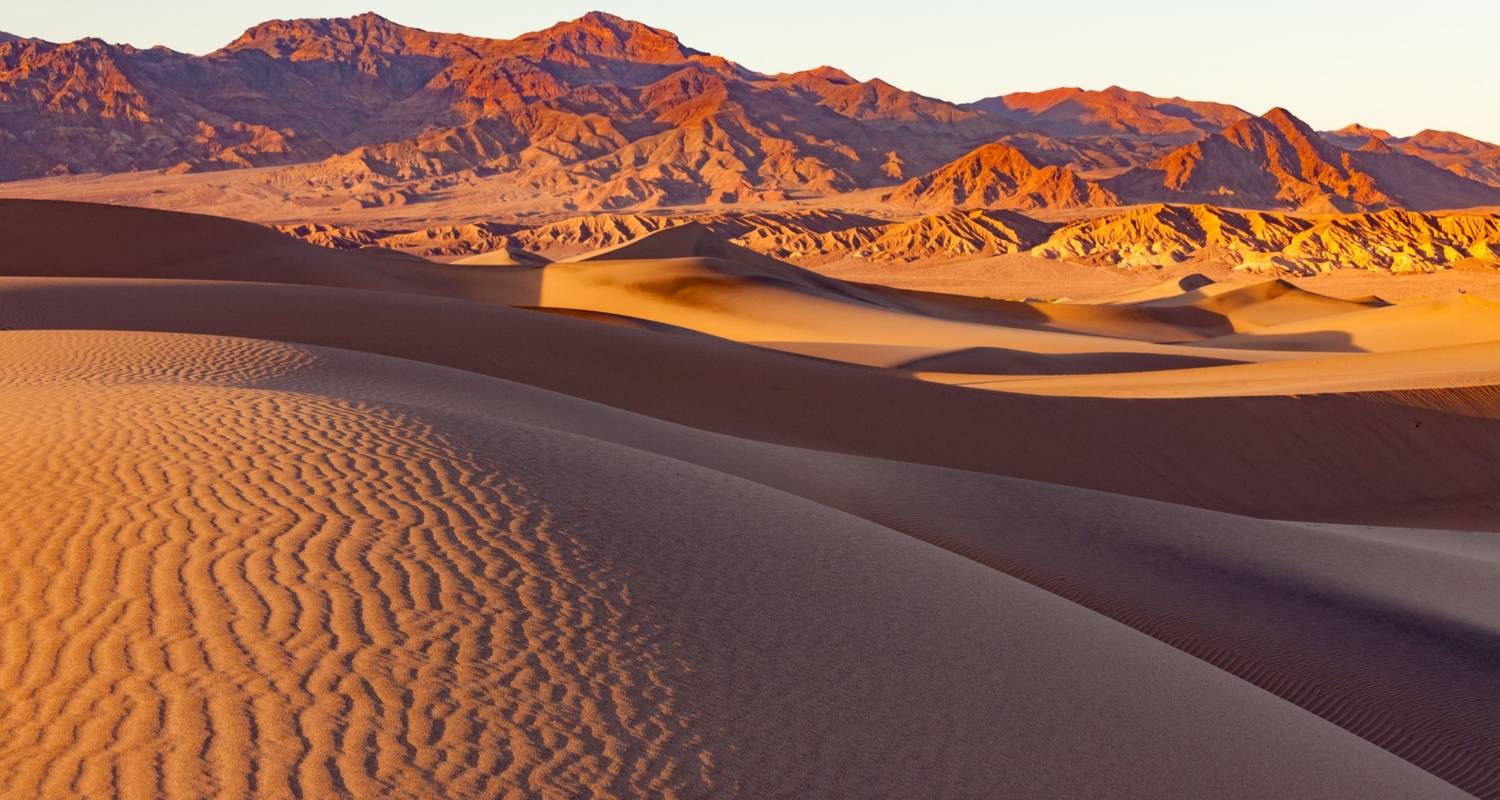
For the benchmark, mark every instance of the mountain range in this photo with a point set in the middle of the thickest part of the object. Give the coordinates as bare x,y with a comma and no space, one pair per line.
604,113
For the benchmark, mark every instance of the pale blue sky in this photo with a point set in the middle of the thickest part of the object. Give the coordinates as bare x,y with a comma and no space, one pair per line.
1403,66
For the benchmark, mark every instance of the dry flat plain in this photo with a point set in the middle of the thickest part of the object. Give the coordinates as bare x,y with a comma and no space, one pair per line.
677,519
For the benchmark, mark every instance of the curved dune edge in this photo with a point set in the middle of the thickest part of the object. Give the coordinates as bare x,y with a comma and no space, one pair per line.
284,586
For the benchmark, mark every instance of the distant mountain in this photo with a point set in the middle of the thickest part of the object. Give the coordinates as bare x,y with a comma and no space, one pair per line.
998,175
1277,162
605,110
1462,155
604,113
1073,112
1356,136
1090,155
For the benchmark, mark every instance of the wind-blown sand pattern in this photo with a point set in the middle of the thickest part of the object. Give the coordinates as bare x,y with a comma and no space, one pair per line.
385,529
231,590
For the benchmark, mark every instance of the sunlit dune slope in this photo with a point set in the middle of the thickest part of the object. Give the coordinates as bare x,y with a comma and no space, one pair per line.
1413,325
504,257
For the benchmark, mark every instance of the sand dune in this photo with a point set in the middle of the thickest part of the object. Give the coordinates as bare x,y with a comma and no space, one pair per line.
504,257
678,519
400,599
160,244
1259,304
716,385
1375,461
1196,306
1415,325
687,277
1173,287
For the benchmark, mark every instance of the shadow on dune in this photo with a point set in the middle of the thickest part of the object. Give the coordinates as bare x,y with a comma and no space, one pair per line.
1326,341
1002,361
620,320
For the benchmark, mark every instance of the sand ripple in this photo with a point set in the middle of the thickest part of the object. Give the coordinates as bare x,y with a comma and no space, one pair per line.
228,592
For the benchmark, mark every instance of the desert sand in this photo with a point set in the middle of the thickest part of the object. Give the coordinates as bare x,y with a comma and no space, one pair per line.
678,519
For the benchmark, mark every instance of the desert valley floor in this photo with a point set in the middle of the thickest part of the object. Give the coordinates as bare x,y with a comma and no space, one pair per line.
678,519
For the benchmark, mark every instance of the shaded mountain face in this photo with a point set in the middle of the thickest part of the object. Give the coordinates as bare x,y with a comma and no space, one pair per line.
1276,161
1461,155
613,111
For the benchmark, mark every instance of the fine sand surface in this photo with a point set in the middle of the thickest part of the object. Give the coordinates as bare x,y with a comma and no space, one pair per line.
678,520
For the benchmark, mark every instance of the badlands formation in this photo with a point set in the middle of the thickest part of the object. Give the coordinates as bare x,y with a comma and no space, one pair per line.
586,415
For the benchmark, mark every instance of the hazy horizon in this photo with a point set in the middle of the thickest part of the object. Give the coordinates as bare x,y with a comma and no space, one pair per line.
1389,65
